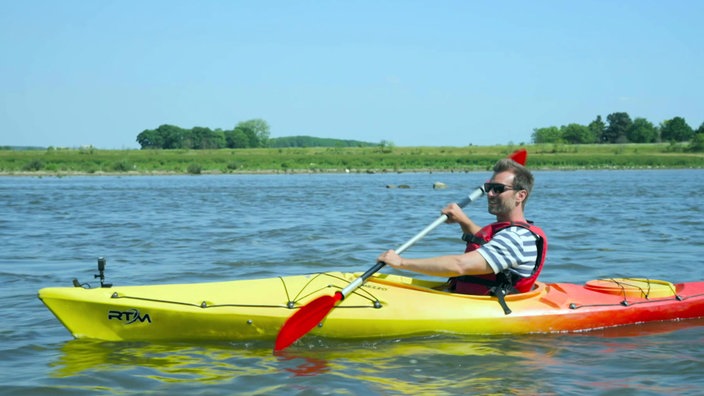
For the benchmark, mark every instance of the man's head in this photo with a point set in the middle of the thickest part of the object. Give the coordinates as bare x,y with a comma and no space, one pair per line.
523,179
509,187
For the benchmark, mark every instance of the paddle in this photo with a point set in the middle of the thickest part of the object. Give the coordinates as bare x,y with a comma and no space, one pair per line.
309,315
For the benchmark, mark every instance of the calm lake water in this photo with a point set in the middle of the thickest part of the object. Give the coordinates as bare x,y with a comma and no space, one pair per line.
179,229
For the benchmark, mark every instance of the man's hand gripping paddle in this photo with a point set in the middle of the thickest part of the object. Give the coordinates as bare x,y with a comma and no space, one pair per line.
311,314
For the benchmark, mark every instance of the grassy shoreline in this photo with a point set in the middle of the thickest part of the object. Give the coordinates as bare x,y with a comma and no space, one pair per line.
91,161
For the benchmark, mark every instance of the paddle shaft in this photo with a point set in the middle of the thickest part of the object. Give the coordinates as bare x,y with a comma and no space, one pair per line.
313,313
476,194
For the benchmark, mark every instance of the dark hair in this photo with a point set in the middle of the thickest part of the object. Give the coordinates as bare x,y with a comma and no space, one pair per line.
523,179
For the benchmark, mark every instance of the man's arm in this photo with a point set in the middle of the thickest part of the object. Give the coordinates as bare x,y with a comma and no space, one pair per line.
471,263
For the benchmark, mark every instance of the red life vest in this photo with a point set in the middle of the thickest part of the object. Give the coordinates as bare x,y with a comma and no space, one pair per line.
505,282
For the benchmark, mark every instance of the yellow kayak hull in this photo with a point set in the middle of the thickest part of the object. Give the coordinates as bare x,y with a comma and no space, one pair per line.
385,306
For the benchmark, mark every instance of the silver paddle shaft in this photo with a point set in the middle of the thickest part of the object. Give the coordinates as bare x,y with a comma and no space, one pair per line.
476,194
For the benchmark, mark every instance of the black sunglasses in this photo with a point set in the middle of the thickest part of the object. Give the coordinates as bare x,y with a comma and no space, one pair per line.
498,188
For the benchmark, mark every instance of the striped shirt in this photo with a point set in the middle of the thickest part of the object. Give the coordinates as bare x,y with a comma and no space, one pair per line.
514,249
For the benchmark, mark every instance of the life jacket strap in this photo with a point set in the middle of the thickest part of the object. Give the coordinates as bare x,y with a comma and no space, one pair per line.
498,288
471,238
500,295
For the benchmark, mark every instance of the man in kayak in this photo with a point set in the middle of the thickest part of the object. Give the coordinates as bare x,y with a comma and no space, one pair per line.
501,258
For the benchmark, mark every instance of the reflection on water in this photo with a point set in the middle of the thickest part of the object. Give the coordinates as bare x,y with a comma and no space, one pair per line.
437,364
167,362
397,366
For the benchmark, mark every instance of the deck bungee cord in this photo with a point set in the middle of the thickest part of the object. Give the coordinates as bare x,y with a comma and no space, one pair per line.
292,303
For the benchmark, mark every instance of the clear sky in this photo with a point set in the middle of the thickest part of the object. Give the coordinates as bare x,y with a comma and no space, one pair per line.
414,73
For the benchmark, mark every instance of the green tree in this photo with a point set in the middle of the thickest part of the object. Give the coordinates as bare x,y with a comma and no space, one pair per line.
547,135
597,128
697,143
173,136
576,134
642,131
256,130
236,139
619,123
676,130
386,146
150,139
164,137
700,129
205,138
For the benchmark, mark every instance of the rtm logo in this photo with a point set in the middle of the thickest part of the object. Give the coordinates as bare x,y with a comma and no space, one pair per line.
129,317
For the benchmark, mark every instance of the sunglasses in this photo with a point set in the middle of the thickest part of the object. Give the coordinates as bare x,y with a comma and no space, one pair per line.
498,188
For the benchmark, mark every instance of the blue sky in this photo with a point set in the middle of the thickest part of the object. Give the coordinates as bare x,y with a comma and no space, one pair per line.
414,73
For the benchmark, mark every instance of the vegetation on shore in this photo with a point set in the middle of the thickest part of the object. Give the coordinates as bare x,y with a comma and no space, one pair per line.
619,128
381,158
619,143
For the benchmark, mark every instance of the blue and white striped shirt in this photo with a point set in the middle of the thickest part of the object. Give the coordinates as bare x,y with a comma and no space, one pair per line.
513,248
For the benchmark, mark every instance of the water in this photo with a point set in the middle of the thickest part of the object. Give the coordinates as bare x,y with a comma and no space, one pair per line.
179,229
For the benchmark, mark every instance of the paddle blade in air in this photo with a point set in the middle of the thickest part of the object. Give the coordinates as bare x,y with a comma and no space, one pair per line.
303,321
519,156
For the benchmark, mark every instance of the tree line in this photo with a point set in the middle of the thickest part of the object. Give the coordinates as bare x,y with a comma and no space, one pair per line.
310,141
246,134
620,128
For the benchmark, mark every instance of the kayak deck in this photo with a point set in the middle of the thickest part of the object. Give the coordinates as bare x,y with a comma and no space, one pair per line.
385,306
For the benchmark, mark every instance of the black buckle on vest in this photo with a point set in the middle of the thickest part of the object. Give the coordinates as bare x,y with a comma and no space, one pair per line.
500,294
471,238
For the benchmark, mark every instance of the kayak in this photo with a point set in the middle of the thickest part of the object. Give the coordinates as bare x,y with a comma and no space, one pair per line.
386,305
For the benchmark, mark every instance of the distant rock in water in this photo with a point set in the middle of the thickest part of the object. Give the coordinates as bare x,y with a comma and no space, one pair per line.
439,185
399,186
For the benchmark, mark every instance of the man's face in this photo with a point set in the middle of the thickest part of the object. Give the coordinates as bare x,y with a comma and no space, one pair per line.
502,203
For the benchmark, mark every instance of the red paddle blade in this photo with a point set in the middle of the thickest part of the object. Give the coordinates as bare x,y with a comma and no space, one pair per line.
303,321
519,156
